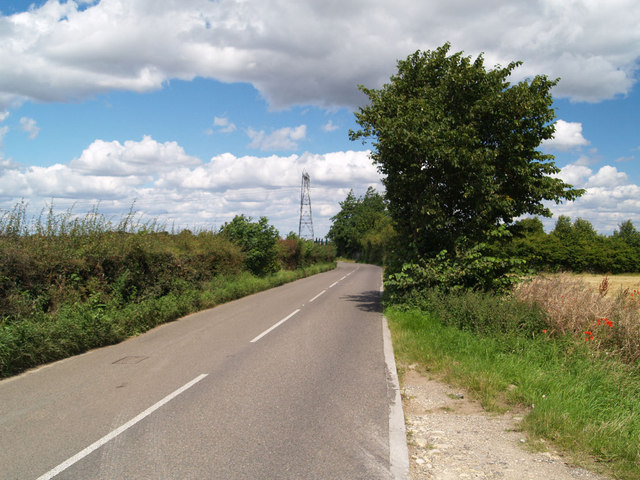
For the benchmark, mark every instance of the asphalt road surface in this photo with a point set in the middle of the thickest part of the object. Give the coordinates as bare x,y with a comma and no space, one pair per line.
288,383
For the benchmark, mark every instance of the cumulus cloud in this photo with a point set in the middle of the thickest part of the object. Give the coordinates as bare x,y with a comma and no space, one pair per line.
282,139
30,126
174,187
568,135
307,52
608,176
3,116
575,174
131,158
604,207
610,197
227,172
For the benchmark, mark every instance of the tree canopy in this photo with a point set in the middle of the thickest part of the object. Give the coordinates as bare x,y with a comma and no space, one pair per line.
457,146
362,227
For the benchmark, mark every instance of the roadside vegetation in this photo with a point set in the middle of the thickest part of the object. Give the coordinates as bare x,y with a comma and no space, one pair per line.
571,392
473,293
69,284
362,228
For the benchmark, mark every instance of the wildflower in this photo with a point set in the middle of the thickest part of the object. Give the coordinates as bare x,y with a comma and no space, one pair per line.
589,335
544,330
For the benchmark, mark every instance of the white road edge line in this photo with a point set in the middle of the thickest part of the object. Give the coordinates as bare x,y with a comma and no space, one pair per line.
323,291
398,450
274,326
110,436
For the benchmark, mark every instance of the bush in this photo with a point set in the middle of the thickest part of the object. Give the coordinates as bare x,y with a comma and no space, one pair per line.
468,268
258,240
479,312
295,252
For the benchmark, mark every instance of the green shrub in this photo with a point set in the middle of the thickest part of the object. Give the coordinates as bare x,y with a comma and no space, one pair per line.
258,240
295,252
479,312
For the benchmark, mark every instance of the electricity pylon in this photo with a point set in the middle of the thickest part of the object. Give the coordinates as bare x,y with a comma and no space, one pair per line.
305,228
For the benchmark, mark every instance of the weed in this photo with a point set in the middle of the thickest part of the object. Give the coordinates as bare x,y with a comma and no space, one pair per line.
610,323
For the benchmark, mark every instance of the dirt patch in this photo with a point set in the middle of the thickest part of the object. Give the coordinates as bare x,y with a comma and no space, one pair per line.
452,437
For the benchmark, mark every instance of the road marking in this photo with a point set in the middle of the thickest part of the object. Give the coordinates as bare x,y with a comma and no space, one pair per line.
274,326
333,284
323,291
398,450
110,436
343,278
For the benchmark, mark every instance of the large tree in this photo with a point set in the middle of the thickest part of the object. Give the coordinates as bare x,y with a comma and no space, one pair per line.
458,147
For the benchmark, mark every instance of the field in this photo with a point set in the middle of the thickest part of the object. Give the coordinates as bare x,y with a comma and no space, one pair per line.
616,282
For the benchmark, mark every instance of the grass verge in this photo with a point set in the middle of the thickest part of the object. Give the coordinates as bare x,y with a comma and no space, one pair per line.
93,323
585,404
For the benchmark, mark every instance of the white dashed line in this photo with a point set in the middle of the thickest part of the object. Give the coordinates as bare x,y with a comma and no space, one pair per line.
323,291
274,326
110,436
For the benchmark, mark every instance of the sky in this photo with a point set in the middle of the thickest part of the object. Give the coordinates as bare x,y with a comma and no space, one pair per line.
195,111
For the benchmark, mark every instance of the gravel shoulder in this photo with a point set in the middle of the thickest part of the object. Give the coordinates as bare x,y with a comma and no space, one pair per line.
452,437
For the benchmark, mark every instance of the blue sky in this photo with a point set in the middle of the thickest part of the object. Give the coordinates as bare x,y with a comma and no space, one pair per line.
200,110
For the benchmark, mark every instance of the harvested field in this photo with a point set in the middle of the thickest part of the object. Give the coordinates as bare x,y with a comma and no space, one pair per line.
616,282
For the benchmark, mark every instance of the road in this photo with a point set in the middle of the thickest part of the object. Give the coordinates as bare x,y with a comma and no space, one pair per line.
287,383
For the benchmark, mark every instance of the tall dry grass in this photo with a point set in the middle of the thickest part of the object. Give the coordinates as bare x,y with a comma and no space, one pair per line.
609,321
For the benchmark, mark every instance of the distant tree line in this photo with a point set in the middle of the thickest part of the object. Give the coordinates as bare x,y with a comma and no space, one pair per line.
575,246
